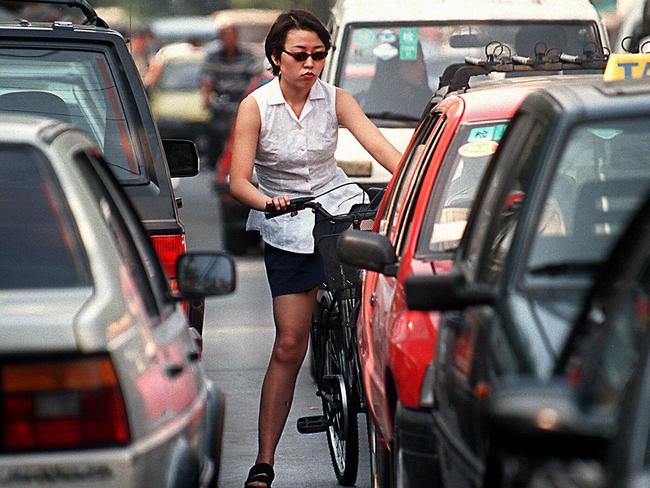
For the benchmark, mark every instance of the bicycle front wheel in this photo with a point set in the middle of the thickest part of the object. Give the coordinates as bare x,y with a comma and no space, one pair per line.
340,415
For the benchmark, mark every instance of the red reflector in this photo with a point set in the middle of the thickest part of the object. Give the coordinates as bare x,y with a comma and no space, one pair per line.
169,248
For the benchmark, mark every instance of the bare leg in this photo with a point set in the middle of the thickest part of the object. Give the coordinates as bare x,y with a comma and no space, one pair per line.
292,315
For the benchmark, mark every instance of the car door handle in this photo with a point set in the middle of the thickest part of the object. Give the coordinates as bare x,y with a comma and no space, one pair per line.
174,369
373,299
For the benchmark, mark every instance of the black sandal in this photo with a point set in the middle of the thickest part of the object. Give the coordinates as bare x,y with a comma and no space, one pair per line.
260,473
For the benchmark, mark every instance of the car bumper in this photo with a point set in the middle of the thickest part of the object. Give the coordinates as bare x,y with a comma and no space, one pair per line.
105,468
417,454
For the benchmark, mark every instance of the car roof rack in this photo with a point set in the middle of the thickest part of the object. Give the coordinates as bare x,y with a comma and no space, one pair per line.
89,12
499,59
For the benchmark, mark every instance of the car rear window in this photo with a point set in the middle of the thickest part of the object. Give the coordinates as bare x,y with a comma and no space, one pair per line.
40,247
75,86
393,68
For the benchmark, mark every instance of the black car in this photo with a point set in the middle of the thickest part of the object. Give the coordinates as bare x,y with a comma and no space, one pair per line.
589,426
573,165
80,71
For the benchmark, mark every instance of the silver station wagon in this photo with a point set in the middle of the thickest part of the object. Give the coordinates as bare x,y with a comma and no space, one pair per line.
101,383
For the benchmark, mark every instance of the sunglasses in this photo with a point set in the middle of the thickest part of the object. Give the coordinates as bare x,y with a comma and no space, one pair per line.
303,55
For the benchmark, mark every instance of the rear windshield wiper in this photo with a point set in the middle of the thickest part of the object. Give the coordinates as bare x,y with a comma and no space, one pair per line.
392,116
563,267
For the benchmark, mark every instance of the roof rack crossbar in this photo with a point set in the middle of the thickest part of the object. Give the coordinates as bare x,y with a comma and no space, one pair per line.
83,5
457,76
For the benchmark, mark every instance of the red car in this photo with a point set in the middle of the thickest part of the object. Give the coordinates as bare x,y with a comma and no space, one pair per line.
420,222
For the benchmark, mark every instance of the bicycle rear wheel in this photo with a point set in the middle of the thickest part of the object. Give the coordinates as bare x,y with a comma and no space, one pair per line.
340,415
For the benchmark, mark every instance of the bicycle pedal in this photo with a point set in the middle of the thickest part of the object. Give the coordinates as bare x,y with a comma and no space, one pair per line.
311,425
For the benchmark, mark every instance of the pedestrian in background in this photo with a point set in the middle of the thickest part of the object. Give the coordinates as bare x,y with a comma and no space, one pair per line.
226,73
287,131
140,43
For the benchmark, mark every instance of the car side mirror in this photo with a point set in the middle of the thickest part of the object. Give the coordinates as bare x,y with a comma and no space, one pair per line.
445,292
182,157
367,250
546,419
205,274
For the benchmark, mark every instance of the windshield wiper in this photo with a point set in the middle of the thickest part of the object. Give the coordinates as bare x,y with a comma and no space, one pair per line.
392,116
563,267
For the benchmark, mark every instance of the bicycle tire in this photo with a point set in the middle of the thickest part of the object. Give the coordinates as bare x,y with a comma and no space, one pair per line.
317,335
343,430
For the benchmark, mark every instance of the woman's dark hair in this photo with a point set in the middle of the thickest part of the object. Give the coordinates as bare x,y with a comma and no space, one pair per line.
286,21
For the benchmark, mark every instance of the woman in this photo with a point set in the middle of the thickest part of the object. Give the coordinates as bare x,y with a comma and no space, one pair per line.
287,130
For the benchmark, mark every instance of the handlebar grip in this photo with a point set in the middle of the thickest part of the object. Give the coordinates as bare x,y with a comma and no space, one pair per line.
295,204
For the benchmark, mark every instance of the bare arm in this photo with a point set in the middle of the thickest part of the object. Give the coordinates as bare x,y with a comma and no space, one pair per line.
351,116
206,92
247,131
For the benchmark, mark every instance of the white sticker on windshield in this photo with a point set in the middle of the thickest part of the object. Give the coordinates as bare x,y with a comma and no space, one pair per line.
385,51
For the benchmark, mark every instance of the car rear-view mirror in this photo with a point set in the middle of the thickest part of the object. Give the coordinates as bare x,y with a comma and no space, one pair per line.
445,292
367,250
205,274
459,41
545,419
182,157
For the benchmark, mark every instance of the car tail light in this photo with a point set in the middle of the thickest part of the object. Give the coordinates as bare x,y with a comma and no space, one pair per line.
62,404
169,248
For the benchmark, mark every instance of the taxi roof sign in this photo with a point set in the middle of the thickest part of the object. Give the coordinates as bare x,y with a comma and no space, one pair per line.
627,67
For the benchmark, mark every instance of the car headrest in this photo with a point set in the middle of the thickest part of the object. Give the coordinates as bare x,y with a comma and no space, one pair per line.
35,103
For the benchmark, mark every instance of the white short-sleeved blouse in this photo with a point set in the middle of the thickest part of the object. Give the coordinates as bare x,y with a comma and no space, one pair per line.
295,157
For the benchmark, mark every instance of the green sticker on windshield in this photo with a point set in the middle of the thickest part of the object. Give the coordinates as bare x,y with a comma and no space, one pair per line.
364,37
488,132
408,44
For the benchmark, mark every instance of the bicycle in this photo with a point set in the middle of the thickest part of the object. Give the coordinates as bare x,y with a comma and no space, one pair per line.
333,336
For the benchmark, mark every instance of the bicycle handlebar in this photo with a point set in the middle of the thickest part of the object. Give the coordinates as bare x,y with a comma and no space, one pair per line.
302,203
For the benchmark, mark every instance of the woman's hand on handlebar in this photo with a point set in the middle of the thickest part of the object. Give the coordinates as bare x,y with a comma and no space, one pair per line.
277,203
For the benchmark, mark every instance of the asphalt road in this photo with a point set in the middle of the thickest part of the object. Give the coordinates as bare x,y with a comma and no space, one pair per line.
238,335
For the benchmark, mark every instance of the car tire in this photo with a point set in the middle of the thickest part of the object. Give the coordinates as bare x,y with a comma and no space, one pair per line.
380,462
215,424
196,313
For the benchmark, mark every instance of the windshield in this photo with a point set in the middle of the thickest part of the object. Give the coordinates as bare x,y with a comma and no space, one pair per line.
40,247
456,185
78,88
601,178
393,68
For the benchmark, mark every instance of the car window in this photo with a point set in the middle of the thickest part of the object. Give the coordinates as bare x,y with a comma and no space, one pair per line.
507,207
498,171
80,89
40,245
605,359
405,172
393,67
115,221
180,76
456,185
408,195
602,176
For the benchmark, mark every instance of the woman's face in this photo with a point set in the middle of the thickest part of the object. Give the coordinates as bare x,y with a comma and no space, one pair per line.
302,72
